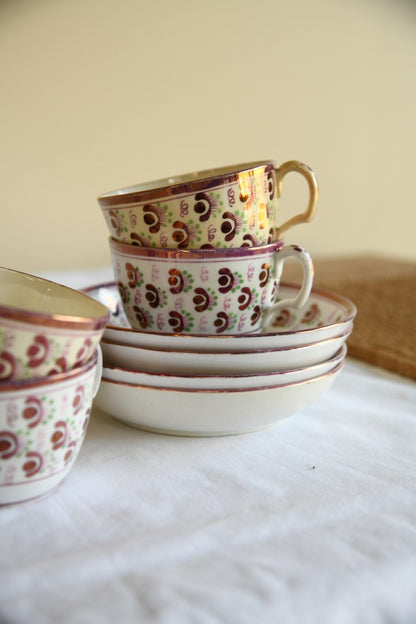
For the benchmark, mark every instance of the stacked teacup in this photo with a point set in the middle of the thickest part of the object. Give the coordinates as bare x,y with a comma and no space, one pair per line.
202,255
50,370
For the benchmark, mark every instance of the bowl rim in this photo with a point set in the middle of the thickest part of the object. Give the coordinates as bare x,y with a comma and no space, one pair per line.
44,319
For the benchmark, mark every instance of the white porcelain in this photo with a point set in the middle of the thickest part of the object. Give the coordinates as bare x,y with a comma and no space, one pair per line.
210,362
42,427
45,328
218,382
208,412
325,315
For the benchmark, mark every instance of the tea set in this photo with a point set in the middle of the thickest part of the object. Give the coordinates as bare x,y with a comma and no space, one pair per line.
196,336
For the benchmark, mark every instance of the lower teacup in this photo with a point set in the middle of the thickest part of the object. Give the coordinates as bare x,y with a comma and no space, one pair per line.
221,291
43,422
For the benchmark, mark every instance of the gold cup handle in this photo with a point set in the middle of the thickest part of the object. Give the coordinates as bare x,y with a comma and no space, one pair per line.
308,174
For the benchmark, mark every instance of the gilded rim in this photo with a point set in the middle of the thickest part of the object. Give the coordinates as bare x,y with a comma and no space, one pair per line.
186,183
223,354
339,355
331,373
137,251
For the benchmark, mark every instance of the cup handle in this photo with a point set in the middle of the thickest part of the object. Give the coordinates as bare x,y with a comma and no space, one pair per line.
308,174
299,301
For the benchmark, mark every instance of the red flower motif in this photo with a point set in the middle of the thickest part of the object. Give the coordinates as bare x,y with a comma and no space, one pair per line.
271,184
68,455
152,296
33,464
33,411
123,292
37,351
245,298
230,225
60,435
60,366
7,365
264,274
153,217
78,399
141,317
176,281
283,318
254,318
222,322
226,280
85,351
311,314
176,321
131,275
201,300
116,222
205,205
9,444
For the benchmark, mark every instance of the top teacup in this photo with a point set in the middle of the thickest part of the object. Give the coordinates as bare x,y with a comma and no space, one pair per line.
234,206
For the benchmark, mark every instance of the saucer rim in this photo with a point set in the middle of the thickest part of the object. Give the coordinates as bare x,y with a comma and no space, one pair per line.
345,302
303,382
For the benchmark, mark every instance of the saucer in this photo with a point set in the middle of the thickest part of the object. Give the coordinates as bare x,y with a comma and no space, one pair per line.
326,315
160,360
228,381
188,412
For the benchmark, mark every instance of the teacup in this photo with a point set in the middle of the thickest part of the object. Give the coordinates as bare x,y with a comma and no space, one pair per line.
225,291
226,207
42,427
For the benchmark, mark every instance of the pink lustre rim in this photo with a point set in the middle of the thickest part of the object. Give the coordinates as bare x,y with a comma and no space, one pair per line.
333,372
186,183
20,385
194,254
54,320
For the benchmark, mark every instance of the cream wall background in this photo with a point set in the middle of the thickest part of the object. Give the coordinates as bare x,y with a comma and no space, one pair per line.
100,94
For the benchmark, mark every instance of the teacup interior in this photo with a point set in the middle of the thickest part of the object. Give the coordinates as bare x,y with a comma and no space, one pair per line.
28,292
185,178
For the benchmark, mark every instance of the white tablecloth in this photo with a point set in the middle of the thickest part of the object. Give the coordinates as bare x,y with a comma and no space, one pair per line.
312,521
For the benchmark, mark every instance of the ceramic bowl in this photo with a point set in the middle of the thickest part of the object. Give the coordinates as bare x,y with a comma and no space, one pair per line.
42,427
212,291
209,412
214,381
220,363
45,328
326,315
224,207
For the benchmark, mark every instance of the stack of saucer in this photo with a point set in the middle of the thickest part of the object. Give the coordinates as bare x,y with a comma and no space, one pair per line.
204,339
50,370
222,384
